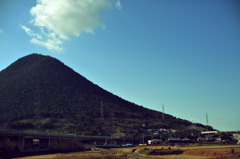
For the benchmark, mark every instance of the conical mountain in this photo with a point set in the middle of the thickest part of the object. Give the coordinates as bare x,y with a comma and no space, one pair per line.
40,92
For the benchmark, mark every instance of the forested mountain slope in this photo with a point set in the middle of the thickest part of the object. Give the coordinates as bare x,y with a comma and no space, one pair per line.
40,92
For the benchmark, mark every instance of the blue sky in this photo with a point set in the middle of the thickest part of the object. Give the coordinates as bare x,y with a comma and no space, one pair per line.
183,54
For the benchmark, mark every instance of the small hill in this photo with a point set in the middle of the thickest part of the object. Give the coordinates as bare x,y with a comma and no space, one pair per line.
40,92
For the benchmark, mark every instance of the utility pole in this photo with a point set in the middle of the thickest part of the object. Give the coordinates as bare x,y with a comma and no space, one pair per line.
143,138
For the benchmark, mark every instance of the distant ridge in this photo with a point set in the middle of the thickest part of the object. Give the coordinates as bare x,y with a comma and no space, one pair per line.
41,93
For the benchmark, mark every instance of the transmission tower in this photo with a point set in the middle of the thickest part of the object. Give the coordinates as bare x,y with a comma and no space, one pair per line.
207,119
37,109
112,114
102,112
162,111
37,103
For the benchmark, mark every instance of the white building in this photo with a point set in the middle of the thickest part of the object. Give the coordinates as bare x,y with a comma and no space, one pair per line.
237,137
209,132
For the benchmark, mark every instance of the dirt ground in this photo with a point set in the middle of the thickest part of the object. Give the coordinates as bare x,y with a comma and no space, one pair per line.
195,152
62,155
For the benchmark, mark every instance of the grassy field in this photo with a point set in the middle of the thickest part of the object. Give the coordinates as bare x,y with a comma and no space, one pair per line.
214,151
196,152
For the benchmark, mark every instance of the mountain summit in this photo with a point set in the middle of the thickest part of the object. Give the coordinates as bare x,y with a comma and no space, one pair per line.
40,92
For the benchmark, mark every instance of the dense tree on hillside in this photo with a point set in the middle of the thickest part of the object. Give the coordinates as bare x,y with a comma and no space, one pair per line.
42,89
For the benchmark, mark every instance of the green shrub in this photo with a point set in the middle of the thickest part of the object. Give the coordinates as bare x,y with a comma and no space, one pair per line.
161,152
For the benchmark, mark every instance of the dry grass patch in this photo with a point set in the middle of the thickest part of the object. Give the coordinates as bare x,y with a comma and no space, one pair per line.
169,151
213,154
106,156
